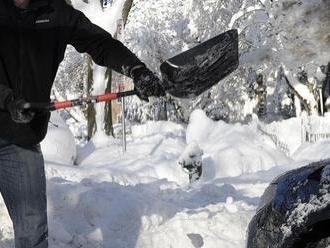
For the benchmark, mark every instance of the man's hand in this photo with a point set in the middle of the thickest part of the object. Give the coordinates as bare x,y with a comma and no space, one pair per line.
19,111
146,83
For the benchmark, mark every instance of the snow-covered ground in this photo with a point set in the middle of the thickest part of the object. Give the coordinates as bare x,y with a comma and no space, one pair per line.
100,197
143,198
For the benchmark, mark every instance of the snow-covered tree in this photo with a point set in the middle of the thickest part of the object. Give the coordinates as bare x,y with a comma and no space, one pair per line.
78,76
273,35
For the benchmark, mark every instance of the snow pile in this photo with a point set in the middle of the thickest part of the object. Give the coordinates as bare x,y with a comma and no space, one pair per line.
143,198
191,161
160,128
131,200
159,214
59,145
283,129
232,150
106,19
313,152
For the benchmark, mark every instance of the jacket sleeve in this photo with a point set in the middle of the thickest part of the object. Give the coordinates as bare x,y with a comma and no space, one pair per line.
5,93
103,48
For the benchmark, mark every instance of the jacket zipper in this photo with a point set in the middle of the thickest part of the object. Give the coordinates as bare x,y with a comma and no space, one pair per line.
23,20
20,75
18,90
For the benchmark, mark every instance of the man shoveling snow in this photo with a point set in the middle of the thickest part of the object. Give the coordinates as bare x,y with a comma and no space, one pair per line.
34,36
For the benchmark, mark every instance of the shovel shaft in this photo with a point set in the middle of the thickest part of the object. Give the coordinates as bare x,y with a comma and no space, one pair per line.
186,75
81,101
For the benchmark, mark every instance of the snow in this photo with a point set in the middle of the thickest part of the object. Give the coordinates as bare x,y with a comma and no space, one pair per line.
192,154
106,19
232,150
241,13
272,35
313,152
191,161
60,144
143,198
303,210
301,89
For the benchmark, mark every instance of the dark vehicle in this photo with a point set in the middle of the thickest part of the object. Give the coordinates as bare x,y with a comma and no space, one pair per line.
294,211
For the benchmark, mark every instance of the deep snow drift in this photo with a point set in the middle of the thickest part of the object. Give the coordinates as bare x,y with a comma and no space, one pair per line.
143,198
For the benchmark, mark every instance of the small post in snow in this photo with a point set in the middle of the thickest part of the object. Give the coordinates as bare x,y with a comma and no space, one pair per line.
119,35
321,101
123,124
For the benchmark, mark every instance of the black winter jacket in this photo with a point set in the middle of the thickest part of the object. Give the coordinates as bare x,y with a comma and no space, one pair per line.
32,45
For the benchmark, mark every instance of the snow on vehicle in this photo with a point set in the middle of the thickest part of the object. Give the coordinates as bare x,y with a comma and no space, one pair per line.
294,210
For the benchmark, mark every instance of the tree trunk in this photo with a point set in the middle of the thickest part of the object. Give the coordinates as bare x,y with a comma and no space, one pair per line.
91,113
108,128
126,10
296,93
108,125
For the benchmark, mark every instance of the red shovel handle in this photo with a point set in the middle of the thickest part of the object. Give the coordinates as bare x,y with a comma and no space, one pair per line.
107,97
61,105
81,101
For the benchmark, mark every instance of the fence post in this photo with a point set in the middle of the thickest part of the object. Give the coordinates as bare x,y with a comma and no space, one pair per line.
123,122
321,101
302,127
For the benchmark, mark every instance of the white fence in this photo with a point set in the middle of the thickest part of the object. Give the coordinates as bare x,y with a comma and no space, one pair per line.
307,129
315,128
279,144
314,137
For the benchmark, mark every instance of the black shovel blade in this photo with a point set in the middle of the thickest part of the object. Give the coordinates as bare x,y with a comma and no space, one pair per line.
194,71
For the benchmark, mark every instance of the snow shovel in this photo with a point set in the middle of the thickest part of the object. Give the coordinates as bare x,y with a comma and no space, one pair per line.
186,75
194,71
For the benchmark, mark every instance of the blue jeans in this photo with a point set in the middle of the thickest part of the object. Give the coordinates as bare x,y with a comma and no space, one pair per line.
23,188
